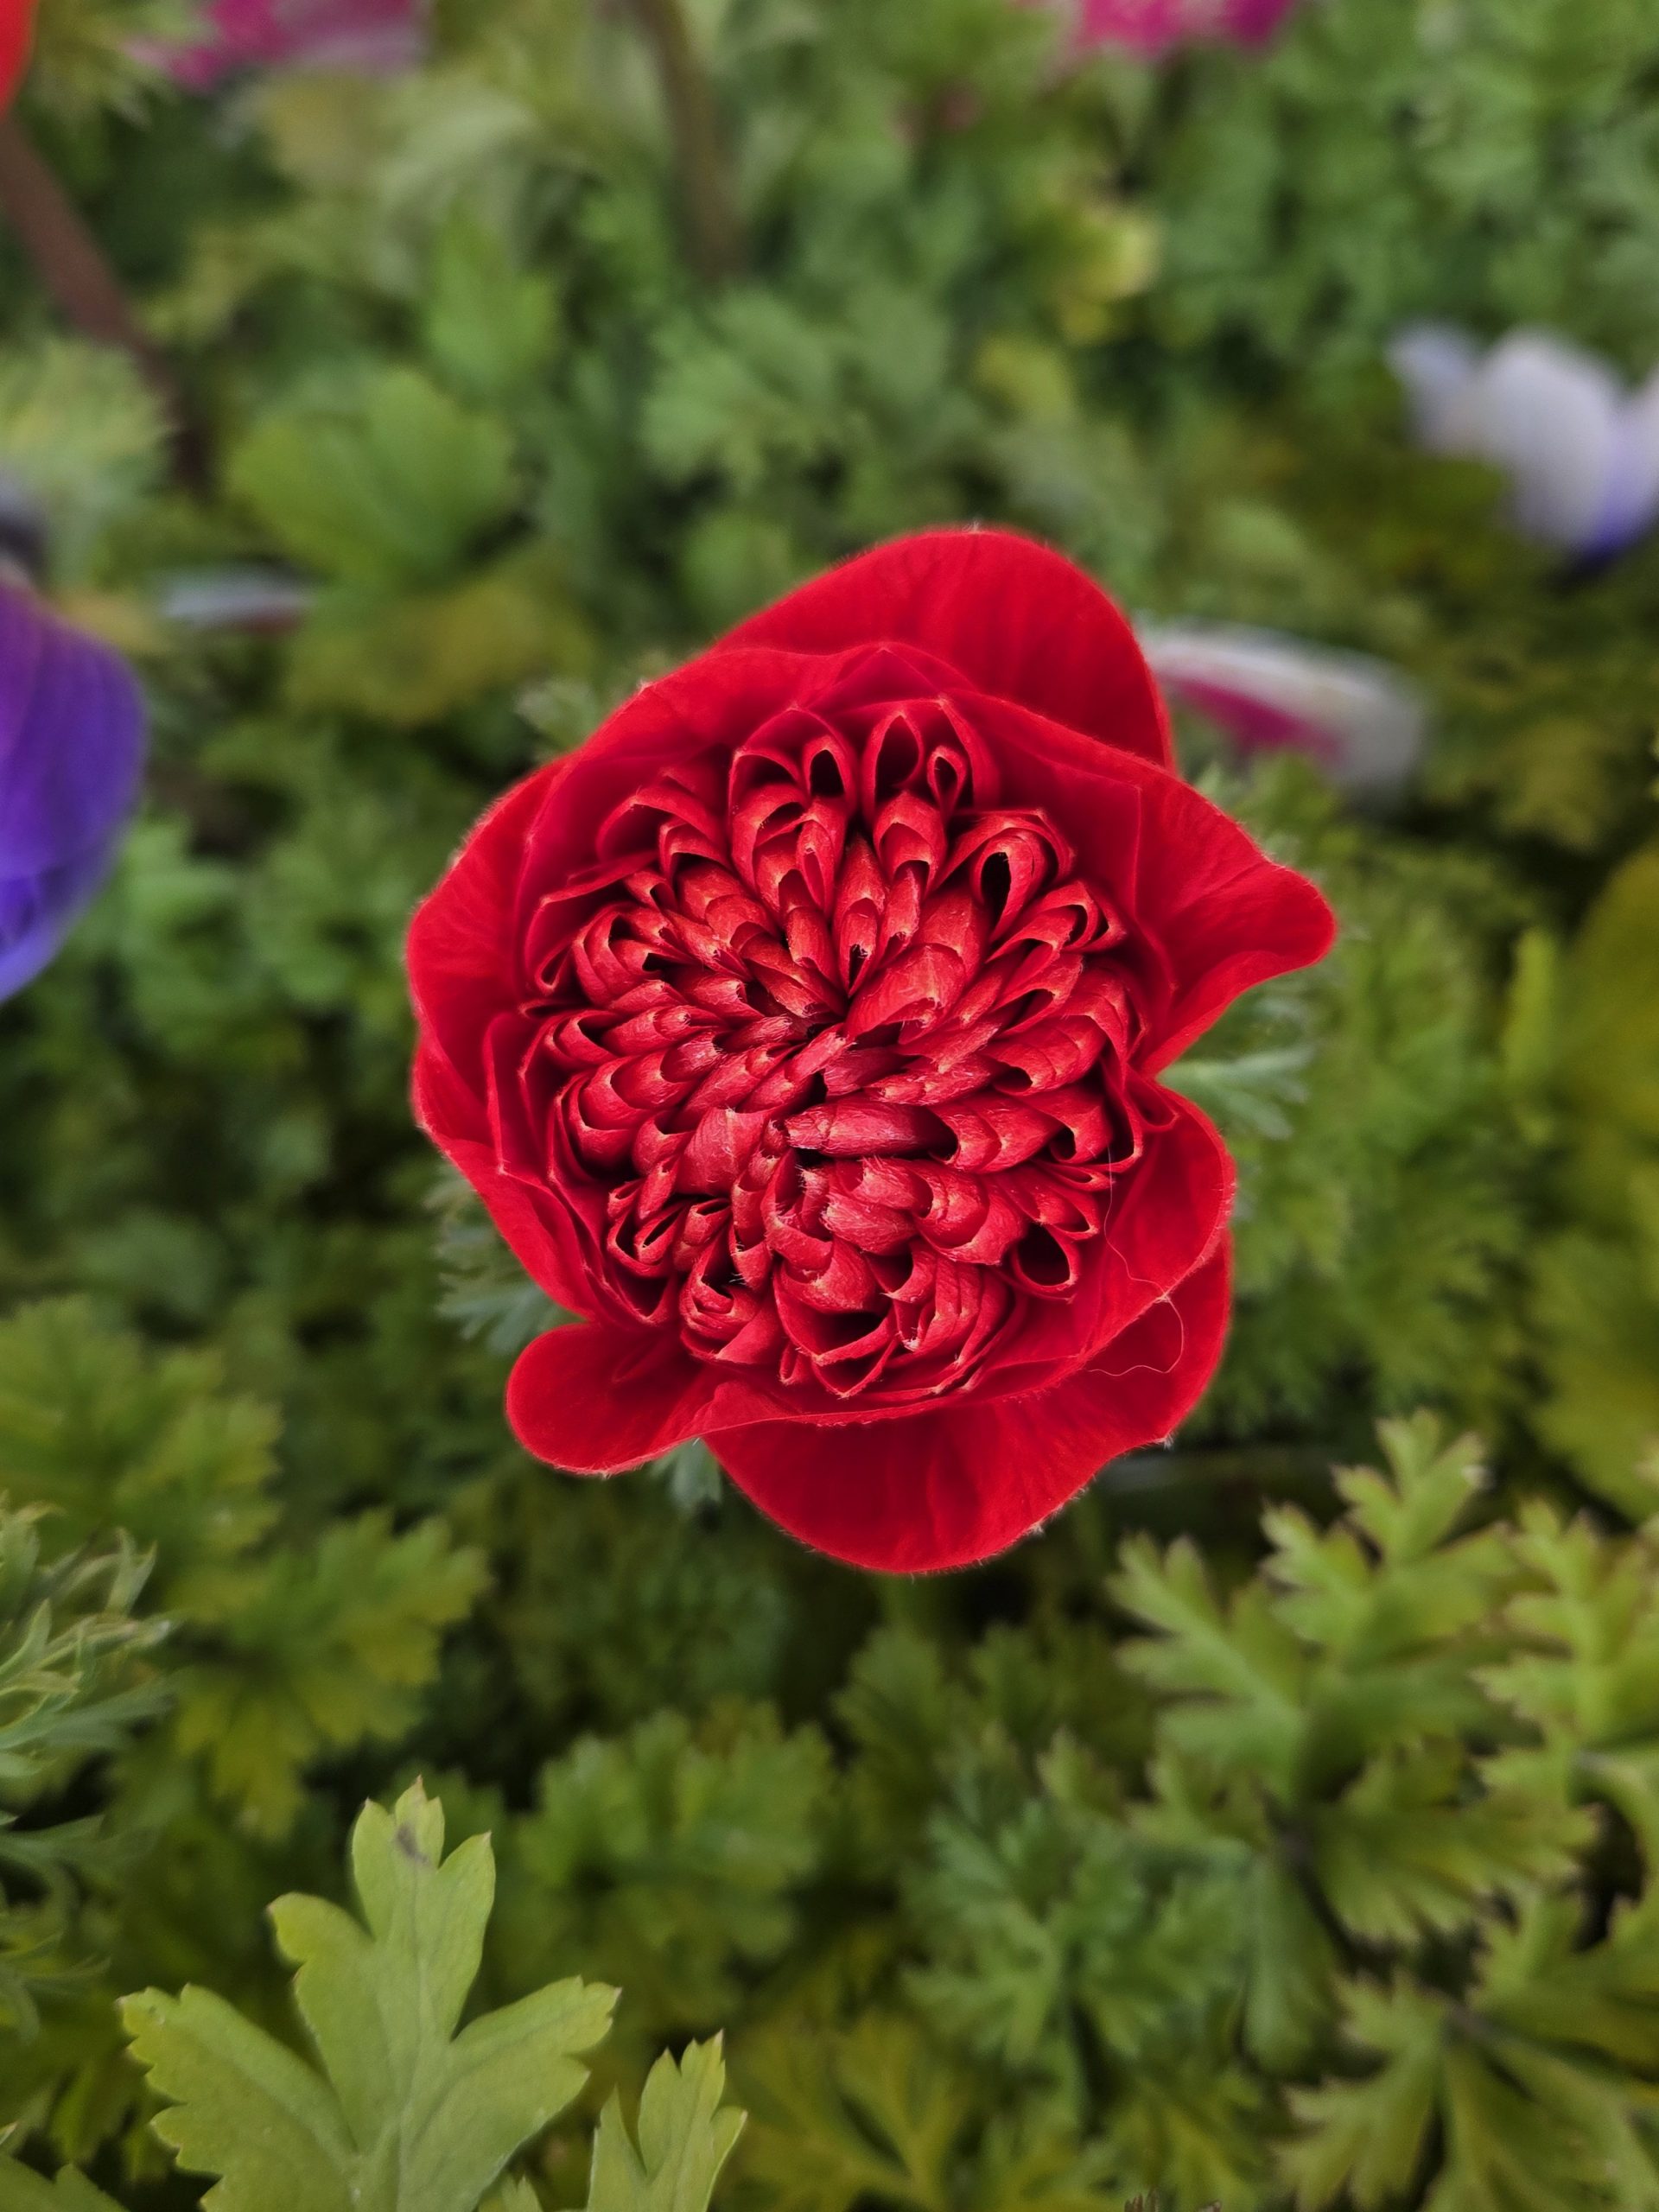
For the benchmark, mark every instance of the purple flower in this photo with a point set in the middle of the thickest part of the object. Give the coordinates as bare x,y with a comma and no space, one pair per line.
1154,27
372,37
72,736
1356,718
1581,452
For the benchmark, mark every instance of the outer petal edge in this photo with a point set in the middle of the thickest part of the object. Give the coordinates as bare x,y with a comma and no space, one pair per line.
946,1490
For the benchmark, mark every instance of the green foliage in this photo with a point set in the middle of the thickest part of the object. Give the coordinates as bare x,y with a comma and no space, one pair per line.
676,1863
1384,1172
1512,136
388,484
684,2138
1249,1835
75,1685
287,1648
90,54
22,2190
82,435
1365,1802
411,2112
1598,1274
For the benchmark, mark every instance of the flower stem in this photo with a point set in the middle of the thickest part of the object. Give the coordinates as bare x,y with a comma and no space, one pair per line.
72,266
713,238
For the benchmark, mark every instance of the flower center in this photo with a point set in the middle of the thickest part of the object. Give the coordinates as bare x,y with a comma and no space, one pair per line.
838,1072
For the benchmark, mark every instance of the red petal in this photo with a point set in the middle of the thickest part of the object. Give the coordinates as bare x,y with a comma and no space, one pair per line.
464,948
1015,618
1226,916
1192,883
536,1225
17,26
939,1490
1162,1221
594,1399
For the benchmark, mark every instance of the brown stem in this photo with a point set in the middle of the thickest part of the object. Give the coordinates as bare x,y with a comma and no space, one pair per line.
713,238
70,264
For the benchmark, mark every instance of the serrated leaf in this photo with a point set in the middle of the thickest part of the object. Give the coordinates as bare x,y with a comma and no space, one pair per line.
1368,2135
23,2190
243,2105
1237,1668
411,2117
875,2112
669,1865
490,325
684,2138
1584,1666
319,1649
386,485
1406,1850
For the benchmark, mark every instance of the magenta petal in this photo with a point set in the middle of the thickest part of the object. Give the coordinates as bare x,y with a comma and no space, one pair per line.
370,38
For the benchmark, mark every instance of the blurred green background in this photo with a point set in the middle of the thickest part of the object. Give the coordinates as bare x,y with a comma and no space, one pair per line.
1309,1861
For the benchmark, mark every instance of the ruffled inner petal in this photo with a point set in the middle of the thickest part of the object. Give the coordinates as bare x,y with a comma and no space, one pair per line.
831,1055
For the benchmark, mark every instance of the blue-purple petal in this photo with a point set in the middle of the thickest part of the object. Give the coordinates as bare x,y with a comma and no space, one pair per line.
71,735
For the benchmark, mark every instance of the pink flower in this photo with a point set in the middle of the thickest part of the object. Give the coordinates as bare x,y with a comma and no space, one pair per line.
1154,27
1357,719
374,37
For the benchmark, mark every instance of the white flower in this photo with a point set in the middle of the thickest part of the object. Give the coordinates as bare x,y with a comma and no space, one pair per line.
1582,451
1355,717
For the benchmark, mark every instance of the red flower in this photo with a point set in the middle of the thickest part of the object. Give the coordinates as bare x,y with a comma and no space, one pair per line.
801,1031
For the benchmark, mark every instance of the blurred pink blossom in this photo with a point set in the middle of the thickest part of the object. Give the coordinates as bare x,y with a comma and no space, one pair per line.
1153,27
375,37
1355,718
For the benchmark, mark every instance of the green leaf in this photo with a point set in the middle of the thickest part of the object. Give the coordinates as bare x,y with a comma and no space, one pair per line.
386,485
107,1434
490,325
684,2138
1598,1280
1406,1850
83,431
1583,1670
1289,1991
413,657
411,2117
1538,2077
23,2190
1237,1668
669,1865
243,2107
73,1687
317,1649
875,2112
1368,2135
